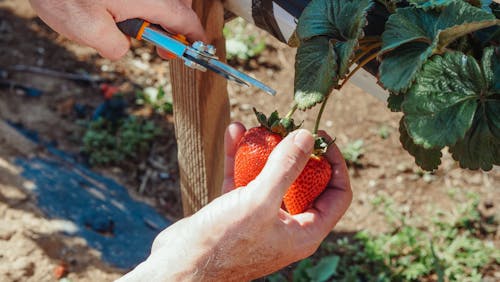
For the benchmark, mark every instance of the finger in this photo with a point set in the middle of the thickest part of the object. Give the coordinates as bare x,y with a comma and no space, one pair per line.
90,25
331,205
173,15
108,40
317,222
283,166
234,133
340,173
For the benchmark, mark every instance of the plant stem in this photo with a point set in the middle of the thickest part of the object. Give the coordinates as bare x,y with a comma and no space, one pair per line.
362,64
365,51
294,108
320,113
369,39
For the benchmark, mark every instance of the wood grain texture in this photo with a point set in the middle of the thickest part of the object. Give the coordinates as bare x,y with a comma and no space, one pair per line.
201,114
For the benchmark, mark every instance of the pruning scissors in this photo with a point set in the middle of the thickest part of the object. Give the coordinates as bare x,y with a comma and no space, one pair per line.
198,55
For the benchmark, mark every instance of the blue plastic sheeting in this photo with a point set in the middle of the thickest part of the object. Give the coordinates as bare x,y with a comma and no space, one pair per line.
121,228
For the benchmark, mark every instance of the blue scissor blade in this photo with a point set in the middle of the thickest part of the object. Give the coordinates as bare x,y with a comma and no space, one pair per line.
224,68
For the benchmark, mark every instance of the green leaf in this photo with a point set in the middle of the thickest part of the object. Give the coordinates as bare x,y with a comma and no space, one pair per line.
315,71
398,69
276,277
480,148
394,102
432,31
427,159
339,21
430,4
495,59
300,272
325,268
495,9
440,106
434,4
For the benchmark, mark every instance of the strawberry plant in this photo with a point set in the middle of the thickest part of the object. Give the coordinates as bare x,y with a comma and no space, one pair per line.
439,60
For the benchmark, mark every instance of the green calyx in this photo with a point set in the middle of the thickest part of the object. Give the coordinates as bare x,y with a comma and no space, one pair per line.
321,145
281,126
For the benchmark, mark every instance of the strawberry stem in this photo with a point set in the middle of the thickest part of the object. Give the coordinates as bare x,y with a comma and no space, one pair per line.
368,44
320,113
365,51
362,64
292,111
370,39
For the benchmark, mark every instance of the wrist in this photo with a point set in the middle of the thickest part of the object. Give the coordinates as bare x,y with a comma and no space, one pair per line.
178,254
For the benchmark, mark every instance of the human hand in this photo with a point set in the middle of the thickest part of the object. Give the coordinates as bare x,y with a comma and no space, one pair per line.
244,234
93,22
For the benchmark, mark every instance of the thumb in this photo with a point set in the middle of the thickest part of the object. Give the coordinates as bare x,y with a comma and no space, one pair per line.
283,166
109,41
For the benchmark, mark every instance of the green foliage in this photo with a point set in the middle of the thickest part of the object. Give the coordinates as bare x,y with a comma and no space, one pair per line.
155,98
428,159
240,43
452,96
322,271
440,61
315,71
107,142
446,246
412,35
384,131
332,32
353,151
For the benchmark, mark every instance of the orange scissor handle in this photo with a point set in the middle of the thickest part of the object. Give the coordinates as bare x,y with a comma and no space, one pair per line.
135,28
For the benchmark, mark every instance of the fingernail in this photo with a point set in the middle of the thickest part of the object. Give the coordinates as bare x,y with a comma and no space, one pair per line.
304,140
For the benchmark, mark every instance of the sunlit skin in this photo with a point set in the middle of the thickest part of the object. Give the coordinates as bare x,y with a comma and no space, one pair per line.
93,22
244,234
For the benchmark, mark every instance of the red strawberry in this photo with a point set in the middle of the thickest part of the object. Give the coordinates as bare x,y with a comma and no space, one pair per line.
309,185
256,146
253,150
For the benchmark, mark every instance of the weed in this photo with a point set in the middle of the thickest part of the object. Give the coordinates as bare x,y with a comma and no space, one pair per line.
239,43
446,248
155,98
353,152
107,142
384,131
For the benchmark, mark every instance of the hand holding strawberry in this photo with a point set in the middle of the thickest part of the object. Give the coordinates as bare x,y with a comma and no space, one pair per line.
256,146
244,234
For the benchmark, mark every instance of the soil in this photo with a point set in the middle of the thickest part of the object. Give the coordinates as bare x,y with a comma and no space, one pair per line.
32,246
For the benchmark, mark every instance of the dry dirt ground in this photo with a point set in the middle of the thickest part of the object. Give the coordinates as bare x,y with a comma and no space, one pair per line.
31,245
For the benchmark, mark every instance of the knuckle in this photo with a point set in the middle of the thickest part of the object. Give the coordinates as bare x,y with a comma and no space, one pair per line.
291,162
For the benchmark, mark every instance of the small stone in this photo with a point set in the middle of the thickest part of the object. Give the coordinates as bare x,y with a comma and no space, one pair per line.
5,235
246,107
23,266
428,177
402,167
475,179
329,123
146,56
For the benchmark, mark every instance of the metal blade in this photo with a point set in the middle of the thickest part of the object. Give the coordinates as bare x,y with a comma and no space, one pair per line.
231,72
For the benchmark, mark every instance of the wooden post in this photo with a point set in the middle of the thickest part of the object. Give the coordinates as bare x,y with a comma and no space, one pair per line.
201,114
